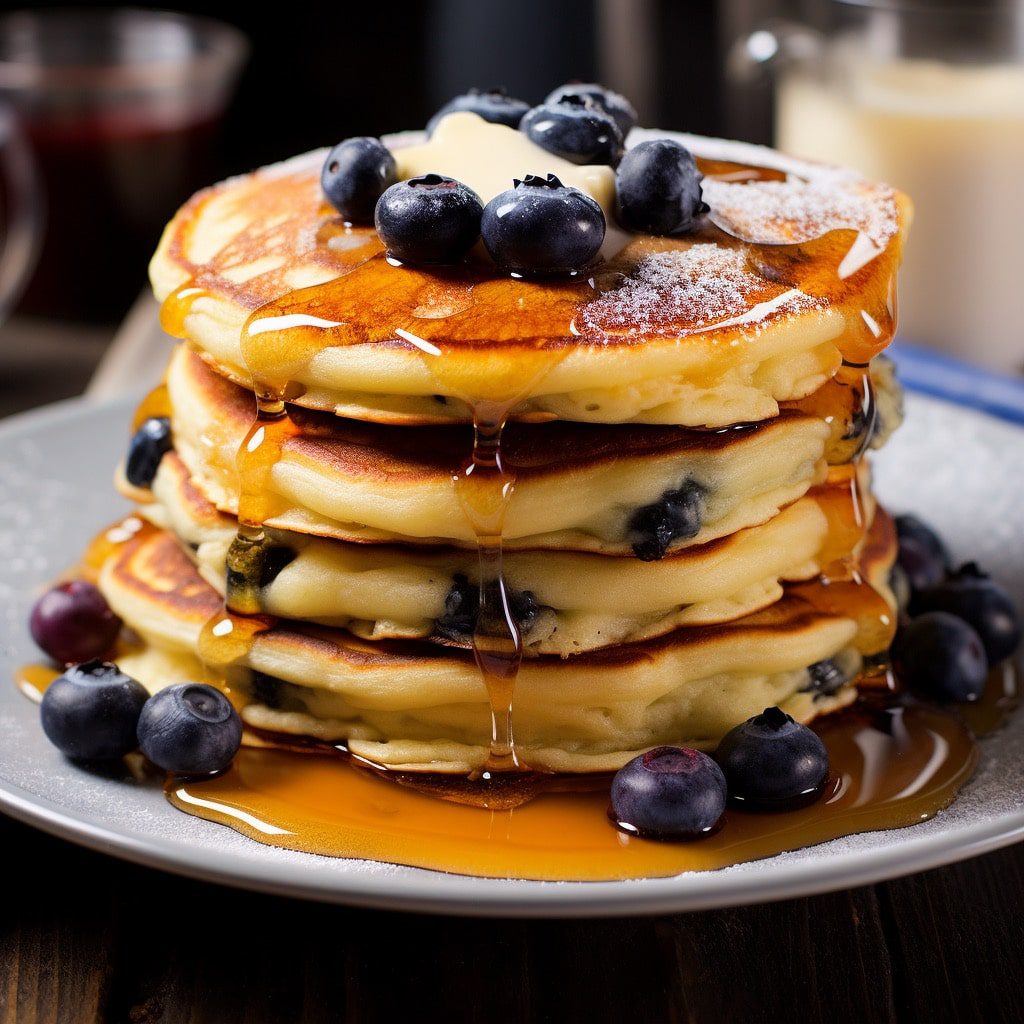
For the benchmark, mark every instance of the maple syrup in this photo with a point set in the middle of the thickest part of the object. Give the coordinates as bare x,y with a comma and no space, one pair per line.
892,764
441,313
484,487
32,680
105,544
157,404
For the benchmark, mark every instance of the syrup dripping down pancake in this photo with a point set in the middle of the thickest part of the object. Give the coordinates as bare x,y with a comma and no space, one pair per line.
420,706
578,486
566,602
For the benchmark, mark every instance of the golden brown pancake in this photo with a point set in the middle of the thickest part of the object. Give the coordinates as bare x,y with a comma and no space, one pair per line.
566,602
578,487
792,271
422,706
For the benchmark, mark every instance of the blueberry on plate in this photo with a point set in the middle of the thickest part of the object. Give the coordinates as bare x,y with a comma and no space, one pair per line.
90,713
542,227
941,656
73,623
190,729
772,762
429,220
355,175
982,603
922,555
147,447
576,130
658,188
910,527
494,105
668,793
612,103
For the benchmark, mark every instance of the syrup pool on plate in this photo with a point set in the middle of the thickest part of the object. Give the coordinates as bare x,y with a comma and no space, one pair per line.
892,765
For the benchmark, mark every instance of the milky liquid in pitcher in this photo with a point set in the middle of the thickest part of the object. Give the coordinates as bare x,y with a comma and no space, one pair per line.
952,137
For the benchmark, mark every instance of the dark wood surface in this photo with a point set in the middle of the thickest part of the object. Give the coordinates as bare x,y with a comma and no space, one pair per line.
84,938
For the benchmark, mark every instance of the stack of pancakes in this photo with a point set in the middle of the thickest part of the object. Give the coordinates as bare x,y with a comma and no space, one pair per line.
688,530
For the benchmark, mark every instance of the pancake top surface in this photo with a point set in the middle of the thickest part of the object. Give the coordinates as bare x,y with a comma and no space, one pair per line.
784,238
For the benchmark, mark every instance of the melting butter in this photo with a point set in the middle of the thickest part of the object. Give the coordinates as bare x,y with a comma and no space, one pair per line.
487,157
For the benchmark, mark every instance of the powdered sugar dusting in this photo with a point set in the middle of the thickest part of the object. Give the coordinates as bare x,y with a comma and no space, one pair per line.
813,199
795,210
687,290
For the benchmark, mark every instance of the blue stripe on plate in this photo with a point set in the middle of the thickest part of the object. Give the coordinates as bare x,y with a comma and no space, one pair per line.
935,373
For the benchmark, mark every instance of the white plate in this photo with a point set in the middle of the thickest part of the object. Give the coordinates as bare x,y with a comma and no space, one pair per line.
961,469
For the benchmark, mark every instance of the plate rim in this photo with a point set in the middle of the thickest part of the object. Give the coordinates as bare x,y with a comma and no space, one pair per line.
426,891
423,890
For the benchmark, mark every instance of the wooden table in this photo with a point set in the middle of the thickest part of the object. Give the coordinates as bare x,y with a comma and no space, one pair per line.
87,938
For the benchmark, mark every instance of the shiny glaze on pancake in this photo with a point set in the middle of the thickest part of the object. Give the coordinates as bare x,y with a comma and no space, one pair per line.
795,233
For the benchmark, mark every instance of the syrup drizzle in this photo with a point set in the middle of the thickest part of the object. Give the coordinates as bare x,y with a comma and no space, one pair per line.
484,487
892,765
227,636
436,312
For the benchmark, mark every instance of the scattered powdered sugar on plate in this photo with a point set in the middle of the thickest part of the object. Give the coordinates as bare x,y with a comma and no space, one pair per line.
686,290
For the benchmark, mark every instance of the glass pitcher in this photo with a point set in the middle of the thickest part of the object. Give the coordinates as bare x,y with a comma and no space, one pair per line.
930,97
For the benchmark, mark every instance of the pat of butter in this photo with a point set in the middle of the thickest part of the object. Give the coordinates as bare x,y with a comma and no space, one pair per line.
486,157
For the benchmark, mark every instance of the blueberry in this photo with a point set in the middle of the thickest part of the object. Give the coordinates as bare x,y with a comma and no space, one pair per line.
494,105
612,103
909,527
941,656
824,678
190,728
73,622
267,690
771,761
658,189
255,565
676,514
355,175
669,793
922,556
539,226
462,608
920,567
145,450
430,219
982,603
90,712
576,130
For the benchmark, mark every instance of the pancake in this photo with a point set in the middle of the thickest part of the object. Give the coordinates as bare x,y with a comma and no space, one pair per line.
578,487
566,602
422,706
791,272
